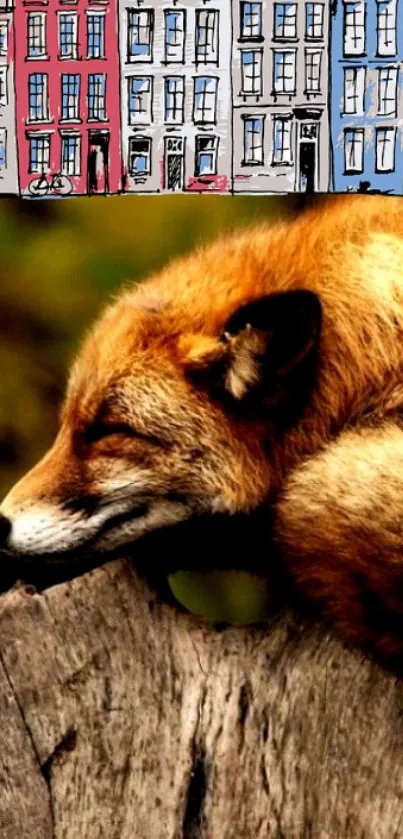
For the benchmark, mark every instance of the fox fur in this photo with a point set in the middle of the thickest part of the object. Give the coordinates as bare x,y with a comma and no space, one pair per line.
265,369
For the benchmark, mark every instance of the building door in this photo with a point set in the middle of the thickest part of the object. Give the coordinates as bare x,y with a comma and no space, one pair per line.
307,157
98,162
174,163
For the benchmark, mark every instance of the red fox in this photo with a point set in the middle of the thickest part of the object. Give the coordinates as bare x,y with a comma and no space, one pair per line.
264,369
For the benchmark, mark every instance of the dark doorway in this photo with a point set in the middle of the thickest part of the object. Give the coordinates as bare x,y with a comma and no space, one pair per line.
98,162
307,162
174,171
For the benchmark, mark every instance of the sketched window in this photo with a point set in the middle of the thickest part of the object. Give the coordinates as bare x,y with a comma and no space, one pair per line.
174,35
97,96
68,44
386,27
282,151
140,35
206,152
354,28
385,149
70,96
206,36
253,141
139,99
71,155
3,37
36,35
353,150
139,156
313,61
251,20
251,72
314,18
284,72
38,96
285,20
3,148
354,90
205,99
95,35
39,154
3,87
387,91
174,99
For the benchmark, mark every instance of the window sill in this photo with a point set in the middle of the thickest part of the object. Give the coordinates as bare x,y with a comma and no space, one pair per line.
31,122
140,59
73,121
37,58
282,39
252,39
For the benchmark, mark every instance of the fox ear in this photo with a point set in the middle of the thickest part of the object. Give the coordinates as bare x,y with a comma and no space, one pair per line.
262,344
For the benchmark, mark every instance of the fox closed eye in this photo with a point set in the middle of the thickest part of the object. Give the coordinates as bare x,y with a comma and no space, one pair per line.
100,430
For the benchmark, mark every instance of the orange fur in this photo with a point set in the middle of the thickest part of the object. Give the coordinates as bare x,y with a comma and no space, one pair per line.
210,433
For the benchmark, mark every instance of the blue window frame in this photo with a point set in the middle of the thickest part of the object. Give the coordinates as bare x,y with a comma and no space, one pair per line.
314,21
205,99
139,99
251,20
97,96
70,158
139,156
36,35
285,20
68,46
253,141
70,96
174,35
38,96
140,33
174,99
39,154
96,36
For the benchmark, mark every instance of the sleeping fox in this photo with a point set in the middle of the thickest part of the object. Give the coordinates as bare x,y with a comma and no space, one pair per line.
266,369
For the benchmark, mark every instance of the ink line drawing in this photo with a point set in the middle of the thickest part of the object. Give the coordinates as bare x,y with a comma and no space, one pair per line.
223,96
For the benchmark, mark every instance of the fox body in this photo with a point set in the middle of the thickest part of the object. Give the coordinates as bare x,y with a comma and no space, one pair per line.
264,369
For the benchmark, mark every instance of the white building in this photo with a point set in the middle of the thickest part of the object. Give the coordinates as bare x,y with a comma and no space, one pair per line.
176,95
280,91
8,145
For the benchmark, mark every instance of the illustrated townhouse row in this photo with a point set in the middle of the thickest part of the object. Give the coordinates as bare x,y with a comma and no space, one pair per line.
100,96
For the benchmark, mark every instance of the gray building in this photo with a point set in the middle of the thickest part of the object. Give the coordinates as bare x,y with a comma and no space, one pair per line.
176,110
280,93
8,145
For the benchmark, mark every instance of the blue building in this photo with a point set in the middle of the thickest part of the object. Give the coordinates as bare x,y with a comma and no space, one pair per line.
366,95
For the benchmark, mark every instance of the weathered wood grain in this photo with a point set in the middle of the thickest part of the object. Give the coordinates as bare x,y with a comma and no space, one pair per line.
121,718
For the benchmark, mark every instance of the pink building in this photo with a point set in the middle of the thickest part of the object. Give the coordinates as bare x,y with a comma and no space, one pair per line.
67,96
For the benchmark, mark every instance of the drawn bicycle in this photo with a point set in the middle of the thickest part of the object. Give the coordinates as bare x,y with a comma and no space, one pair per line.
58,184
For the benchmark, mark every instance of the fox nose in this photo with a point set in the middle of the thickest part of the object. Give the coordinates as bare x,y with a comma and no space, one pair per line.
5,530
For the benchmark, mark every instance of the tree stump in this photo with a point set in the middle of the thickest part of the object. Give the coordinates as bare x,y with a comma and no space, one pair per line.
124,718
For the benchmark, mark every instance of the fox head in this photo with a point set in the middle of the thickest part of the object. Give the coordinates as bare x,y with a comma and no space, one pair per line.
175,407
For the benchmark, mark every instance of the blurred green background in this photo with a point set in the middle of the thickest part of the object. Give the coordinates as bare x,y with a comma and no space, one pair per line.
60,261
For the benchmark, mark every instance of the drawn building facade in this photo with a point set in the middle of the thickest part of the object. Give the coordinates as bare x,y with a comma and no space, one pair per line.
367,95
176,95
68,111
8,148
280,92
